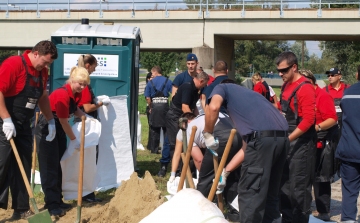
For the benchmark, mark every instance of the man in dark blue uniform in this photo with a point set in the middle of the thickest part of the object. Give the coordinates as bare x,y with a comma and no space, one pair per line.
186,76
157,92
220,72
267,145
348,151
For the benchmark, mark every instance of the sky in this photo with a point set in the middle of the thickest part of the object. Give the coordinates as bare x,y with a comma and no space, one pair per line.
313,47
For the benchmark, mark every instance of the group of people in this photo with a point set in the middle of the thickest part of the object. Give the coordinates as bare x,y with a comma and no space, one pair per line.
23,87
285,147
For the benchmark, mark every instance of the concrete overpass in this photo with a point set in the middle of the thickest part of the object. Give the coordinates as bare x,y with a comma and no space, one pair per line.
210,35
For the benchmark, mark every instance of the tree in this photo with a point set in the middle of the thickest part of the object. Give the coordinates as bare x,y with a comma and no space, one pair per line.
6,53
260,54
297,49
167,61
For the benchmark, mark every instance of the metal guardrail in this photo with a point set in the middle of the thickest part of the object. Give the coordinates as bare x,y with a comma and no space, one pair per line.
167,5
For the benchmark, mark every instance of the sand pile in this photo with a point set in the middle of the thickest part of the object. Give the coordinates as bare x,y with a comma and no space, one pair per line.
134,199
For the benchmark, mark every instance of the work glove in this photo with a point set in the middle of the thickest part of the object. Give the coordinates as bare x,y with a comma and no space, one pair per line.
9,128
222,181
106,101
75,143
52,130
172,177
211,142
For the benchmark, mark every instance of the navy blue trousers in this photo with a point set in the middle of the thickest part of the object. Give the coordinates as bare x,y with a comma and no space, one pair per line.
350,186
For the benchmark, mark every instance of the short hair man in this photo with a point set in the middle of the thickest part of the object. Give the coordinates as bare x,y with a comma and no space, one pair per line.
220,71
298,106
336,90
22,87
186,76
265,153
183,101
157,92
348,151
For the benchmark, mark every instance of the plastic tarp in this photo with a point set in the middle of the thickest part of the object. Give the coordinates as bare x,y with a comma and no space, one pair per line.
70,161
115,159
188,205
139,145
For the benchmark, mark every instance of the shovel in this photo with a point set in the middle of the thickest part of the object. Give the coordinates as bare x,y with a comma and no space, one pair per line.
219,196
81,169
38,217
183,124
221,165
34,158
187,159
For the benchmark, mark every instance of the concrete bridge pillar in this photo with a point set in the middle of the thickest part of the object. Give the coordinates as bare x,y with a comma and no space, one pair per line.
205,57
224,50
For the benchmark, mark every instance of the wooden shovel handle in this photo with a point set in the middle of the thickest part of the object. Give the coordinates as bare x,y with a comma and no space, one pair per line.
221,165
219,196
34,150
187,158
81,162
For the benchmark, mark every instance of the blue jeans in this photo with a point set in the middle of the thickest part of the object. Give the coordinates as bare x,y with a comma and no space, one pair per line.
166,155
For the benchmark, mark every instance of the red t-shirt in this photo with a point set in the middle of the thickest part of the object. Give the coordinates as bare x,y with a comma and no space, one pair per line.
305,100
260,88
60,100
85,97
337,93
13,75
211,79
325,107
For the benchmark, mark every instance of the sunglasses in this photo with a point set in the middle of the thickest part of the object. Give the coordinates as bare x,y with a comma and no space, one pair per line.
285,70
332,75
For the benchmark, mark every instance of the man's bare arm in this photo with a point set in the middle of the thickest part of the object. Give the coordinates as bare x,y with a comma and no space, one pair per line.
173,91
44,105
3,110
212,113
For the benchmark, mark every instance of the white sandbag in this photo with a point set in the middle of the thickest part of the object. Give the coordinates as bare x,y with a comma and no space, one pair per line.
115,161
188,206
70,161
139,145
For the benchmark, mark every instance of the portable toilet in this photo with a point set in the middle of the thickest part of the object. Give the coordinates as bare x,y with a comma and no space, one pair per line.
116,48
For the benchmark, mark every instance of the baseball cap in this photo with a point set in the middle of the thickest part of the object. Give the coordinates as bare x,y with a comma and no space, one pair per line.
333,70
191,56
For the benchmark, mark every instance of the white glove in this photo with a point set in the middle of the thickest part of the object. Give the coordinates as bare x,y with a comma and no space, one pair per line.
211,142
106,101
9,128
75,143
52,130
222,181
172,177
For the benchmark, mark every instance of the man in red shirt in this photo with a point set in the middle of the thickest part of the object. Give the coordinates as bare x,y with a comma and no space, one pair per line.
297,101
22,87
336,89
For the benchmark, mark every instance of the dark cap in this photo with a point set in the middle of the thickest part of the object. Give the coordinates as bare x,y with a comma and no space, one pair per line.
191,56
333,70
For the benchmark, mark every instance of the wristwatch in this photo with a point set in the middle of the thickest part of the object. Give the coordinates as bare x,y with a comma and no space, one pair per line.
319,128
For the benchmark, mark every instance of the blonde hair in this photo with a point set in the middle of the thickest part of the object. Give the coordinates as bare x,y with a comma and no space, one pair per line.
79,74
256,77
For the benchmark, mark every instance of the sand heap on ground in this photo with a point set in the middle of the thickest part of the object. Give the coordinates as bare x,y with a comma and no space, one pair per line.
134,199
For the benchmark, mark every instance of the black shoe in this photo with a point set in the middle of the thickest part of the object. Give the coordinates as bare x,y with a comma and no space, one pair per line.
162,171
57,212
65,206
92,200
21,214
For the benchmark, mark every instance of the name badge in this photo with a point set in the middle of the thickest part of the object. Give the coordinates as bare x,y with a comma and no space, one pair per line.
30,105
338,109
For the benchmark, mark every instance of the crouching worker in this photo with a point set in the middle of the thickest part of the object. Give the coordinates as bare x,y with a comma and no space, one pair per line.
63,106
203,158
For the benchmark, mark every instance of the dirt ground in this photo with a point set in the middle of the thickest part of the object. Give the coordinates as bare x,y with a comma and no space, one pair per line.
134,199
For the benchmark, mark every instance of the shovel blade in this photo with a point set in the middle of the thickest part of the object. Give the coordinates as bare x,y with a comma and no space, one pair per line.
41,217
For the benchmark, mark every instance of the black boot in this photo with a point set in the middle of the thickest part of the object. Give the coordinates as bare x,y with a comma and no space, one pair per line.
162,171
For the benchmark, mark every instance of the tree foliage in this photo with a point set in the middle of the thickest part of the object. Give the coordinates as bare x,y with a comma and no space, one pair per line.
6,53
167,61
259,54
296,48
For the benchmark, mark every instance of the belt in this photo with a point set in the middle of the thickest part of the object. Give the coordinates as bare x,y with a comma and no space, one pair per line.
268,133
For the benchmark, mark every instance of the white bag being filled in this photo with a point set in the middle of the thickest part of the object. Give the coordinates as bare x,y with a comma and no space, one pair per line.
70,161
188,206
